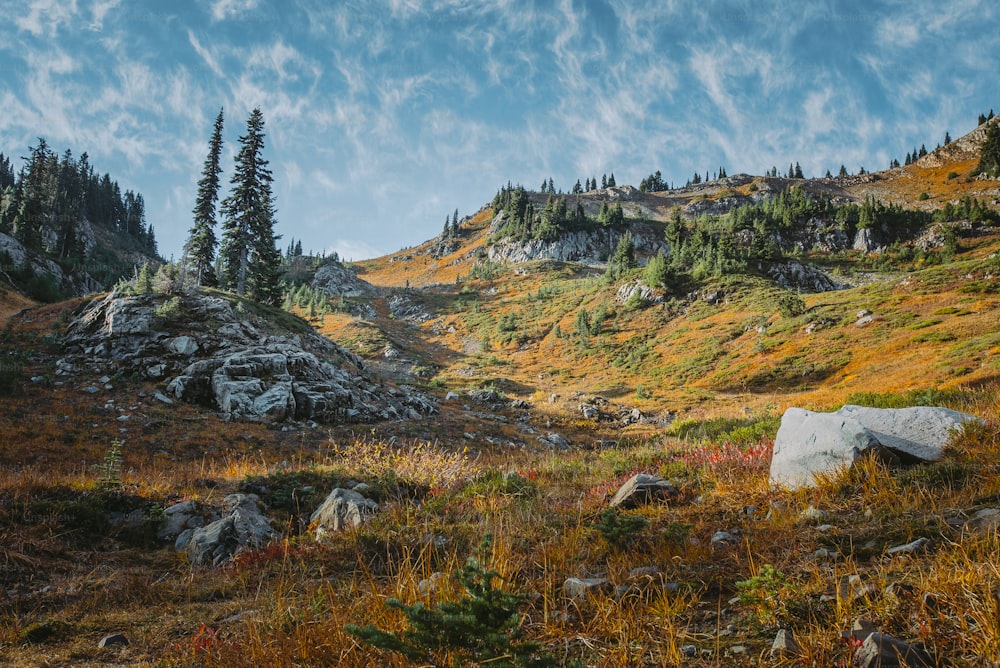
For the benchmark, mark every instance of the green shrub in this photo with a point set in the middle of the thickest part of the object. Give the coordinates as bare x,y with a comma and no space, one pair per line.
619,529
481,628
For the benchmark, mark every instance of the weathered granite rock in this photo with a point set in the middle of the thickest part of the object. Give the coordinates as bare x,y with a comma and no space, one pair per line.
880,650
242,361
342,509
583,588
243,527
643,488
809,444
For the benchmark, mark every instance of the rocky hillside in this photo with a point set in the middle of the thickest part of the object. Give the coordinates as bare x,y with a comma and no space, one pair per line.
246,361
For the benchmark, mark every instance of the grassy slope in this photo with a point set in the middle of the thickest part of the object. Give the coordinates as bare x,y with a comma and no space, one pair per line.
73,579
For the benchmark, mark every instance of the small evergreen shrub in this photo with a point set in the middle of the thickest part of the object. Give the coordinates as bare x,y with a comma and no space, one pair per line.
481,628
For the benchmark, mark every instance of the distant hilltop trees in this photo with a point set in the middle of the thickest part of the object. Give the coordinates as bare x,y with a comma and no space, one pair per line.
43,204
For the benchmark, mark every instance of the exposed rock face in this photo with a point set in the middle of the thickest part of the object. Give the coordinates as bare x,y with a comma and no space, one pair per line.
592,246
342,509
794,275
811,443
217,353
336,280
76,283
644,292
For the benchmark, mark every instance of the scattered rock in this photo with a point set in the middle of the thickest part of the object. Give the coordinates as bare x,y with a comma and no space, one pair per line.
177,518
984,521
919,545
784,645
643,488
113,640
883,651
583,588
342,509
723,538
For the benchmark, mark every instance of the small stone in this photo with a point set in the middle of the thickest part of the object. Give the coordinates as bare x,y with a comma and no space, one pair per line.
582,588
784,645
112,640
722,537
913,547
431,585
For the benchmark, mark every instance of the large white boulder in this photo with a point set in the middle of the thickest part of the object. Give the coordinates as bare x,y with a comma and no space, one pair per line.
809,443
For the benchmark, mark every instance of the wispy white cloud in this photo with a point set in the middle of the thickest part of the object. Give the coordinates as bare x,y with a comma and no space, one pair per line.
98,11
205,55
45,16
226,9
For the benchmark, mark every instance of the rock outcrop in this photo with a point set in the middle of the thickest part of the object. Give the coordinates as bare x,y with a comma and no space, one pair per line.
336,280
246,361
590,246
242,527
810,444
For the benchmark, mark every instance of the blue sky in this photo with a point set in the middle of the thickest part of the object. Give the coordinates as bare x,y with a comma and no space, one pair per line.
383,117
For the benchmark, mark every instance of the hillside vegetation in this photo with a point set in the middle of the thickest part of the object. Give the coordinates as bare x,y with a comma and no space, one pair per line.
557,380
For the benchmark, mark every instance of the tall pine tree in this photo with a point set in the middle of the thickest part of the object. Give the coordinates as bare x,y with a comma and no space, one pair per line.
199,251
250,257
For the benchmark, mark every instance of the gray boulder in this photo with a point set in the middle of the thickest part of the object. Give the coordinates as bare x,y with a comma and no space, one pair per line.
342,509
643,488
243,527
810,443
920,432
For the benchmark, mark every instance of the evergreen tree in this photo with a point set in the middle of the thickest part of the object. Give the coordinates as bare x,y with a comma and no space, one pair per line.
33,213
623,258
251,260
989,156
199,251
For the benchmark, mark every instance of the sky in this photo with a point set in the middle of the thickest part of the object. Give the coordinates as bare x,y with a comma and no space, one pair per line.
385,116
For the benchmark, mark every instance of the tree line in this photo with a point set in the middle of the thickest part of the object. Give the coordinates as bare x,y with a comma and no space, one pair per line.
523,221
44,203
